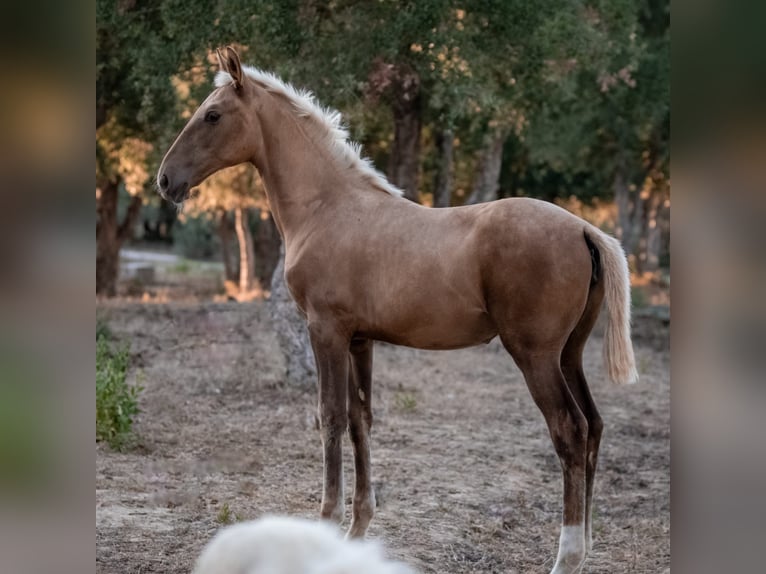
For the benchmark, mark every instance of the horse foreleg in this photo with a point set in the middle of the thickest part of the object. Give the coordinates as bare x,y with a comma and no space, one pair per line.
359,424
331,352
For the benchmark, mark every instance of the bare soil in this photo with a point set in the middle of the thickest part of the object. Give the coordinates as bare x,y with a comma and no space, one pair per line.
466,476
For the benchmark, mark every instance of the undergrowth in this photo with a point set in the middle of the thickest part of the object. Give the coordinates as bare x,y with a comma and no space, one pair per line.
226,516
116,401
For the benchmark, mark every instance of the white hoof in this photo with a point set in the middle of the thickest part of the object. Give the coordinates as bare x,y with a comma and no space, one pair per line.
571,554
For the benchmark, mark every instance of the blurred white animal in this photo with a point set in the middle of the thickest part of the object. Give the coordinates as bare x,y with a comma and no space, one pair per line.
281,545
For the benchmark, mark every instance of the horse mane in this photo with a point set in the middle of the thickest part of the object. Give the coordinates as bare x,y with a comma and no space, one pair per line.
327,123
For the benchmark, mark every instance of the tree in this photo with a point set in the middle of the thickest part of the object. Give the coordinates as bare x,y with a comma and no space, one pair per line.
118,165
291,331
612,121
237,189
445,144
487,174
404,53
140,47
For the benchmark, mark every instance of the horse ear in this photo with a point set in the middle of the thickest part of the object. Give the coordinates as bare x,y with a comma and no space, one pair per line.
221,60
233,66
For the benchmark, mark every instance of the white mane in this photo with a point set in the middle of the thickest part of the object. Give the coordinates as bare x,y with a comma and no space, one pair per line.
335,136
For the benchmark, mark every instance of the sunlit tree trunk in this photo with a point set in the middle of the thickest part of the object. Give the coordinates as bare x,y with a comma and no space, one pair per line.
290,328
443,178
225,236
110,235
487,178
246,251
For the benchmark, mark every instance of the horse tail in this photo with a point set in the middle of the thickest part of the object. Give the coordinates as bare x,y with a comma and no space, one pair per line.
619,361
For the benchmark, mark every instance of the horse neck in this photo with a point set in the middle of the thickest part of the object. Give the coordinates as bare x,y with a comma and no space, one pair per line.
298,175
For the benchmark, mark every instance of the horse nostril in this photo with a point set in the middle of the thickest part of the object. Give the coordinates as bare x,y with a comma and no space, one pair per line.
164,184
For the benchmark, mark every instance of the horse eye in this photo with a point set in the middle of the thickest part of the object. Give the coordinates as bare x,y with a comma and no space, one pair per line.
212,117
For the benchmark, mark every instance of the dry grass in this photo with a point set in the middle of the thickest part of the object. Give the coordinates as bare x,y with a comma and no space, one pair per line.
467,479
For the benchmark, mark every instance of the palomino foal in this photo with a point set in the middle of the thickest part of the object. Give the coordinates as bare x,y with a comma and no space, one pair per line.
364,264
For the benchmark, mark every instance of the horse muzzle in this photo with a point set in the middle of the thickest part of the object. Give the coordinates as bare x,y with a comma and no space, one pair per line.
172,191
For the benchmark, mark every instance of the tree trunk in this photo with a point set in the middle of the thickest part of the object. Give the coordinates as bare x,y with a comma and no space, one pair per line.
650,247
631,221
246,251
110,235
107,245
443,177
626,210
487,179
290,328
224,234
405,155
267,244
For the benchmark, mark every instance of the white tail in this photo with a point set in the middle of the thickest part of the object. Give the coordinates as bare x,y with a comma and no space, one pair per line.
619,361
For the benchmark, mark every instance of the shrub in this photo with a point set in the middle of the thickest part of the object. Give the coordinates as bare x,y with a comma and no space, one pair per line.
195,237
638,297
102,329
226,516
116,401
182,266
405,401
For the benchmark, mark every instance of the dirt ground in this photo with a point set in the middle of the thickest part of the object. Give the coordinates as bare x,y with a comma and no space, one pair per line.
465,473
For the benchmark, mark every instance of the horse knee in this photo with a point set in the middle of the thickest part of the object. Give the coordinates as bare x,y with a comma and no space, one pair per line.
332,425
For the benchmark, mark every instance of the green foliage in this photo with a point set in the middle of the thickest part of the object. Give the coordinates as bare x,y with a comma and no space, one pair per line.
581,88
140,47
615,113
638,297
405,401
102,329
195,237
116,401
226,516
183,266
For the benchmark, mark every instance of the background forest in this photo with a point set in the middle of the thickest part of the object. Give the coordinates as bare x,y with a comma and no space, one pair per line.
457,102
206,406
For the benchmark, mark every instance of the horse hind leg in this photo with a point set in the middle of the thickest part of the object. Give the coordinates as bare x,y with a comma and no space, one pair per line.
568,429
359,423
571,366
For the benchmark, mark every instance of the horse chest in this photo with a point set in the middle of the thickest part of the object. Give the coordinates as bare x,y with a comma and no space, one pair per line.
316,283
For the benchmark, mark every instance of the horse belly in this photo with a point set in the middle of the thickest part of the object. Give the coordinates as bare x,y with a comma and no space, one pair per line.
449,328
